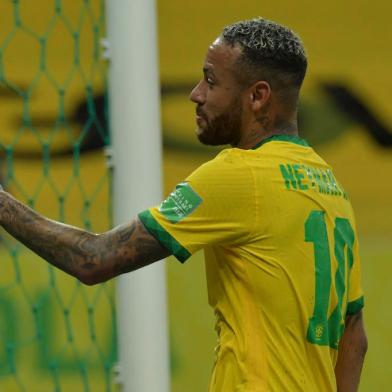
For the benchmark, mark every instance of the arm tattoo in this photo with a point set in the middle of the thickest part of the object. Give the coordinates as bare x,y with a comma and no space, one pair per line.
353,319
92,258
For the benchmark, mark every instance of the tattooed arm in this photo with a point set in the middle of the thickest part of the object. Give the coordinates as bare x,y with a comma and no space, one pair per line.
92,258
351,354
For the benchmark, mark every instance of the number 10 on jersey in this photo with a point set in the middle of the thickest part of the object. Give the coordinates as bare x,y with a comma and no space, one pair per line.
324,330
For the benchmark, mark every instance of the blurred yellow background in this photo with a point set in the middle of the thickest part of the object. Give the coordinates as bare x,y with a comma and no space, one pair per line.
347,44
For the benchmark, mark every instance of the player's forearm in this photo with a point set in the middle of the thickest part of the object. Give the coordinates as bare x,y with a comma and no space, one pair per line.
77,252
352,351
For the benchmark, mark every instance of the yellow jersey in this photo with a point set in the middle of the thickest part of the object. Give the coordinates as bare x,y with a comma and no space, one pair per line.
282,262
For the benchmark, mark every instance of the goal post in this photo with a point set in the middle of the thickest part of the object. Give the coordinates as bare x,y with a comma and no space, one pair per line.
134,103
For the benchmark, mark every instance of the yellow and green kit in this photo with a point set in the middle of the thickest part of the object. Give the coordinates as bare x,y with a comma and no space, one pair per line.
282,262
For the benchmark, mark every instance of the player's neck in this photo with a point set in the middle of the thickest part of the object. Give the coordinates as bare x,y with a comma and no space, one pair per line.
269,126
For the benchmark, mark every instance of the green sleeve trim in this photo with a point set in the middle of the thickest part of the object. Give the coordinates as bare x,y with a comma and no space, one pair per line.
166,240
355,306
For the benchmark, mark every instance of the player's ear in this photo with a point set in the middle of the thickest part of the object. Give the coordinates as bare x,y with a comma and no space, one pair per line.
259,95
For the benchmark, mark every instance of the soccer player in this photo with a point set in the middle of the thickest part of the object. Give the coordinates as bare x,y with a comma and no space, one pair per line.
277,228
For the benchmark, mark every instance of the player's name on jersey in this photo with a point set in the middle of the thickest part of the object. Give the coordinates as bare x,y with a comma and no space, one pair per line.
303,177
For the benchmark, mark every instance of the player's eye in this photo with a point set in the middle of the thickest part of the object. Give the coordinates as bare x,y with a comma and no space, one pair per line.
210,81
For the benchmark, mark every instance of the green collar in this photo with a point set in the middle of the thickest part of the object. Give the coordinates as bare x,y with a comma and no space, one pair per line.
282,138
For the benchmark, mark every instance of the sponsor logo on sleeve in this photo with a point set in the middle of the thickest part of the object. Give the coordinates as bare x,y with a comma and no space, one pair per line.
180,203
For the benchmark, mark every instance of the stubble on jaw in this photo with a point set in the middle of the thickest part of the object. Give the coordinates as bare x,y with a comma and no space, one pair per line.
224,128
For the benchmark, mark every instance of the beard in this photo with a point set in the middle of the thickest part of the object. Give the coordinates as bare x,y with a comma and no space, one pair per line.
224,128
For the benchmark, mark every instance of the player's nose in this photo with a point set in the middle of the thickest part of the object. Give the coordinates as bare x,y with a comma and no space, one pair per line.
197,95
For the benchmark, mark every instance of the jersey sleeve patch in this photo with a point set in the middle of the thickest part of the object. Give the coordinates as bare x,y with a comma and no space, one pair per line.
355,306
180,203
165,238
